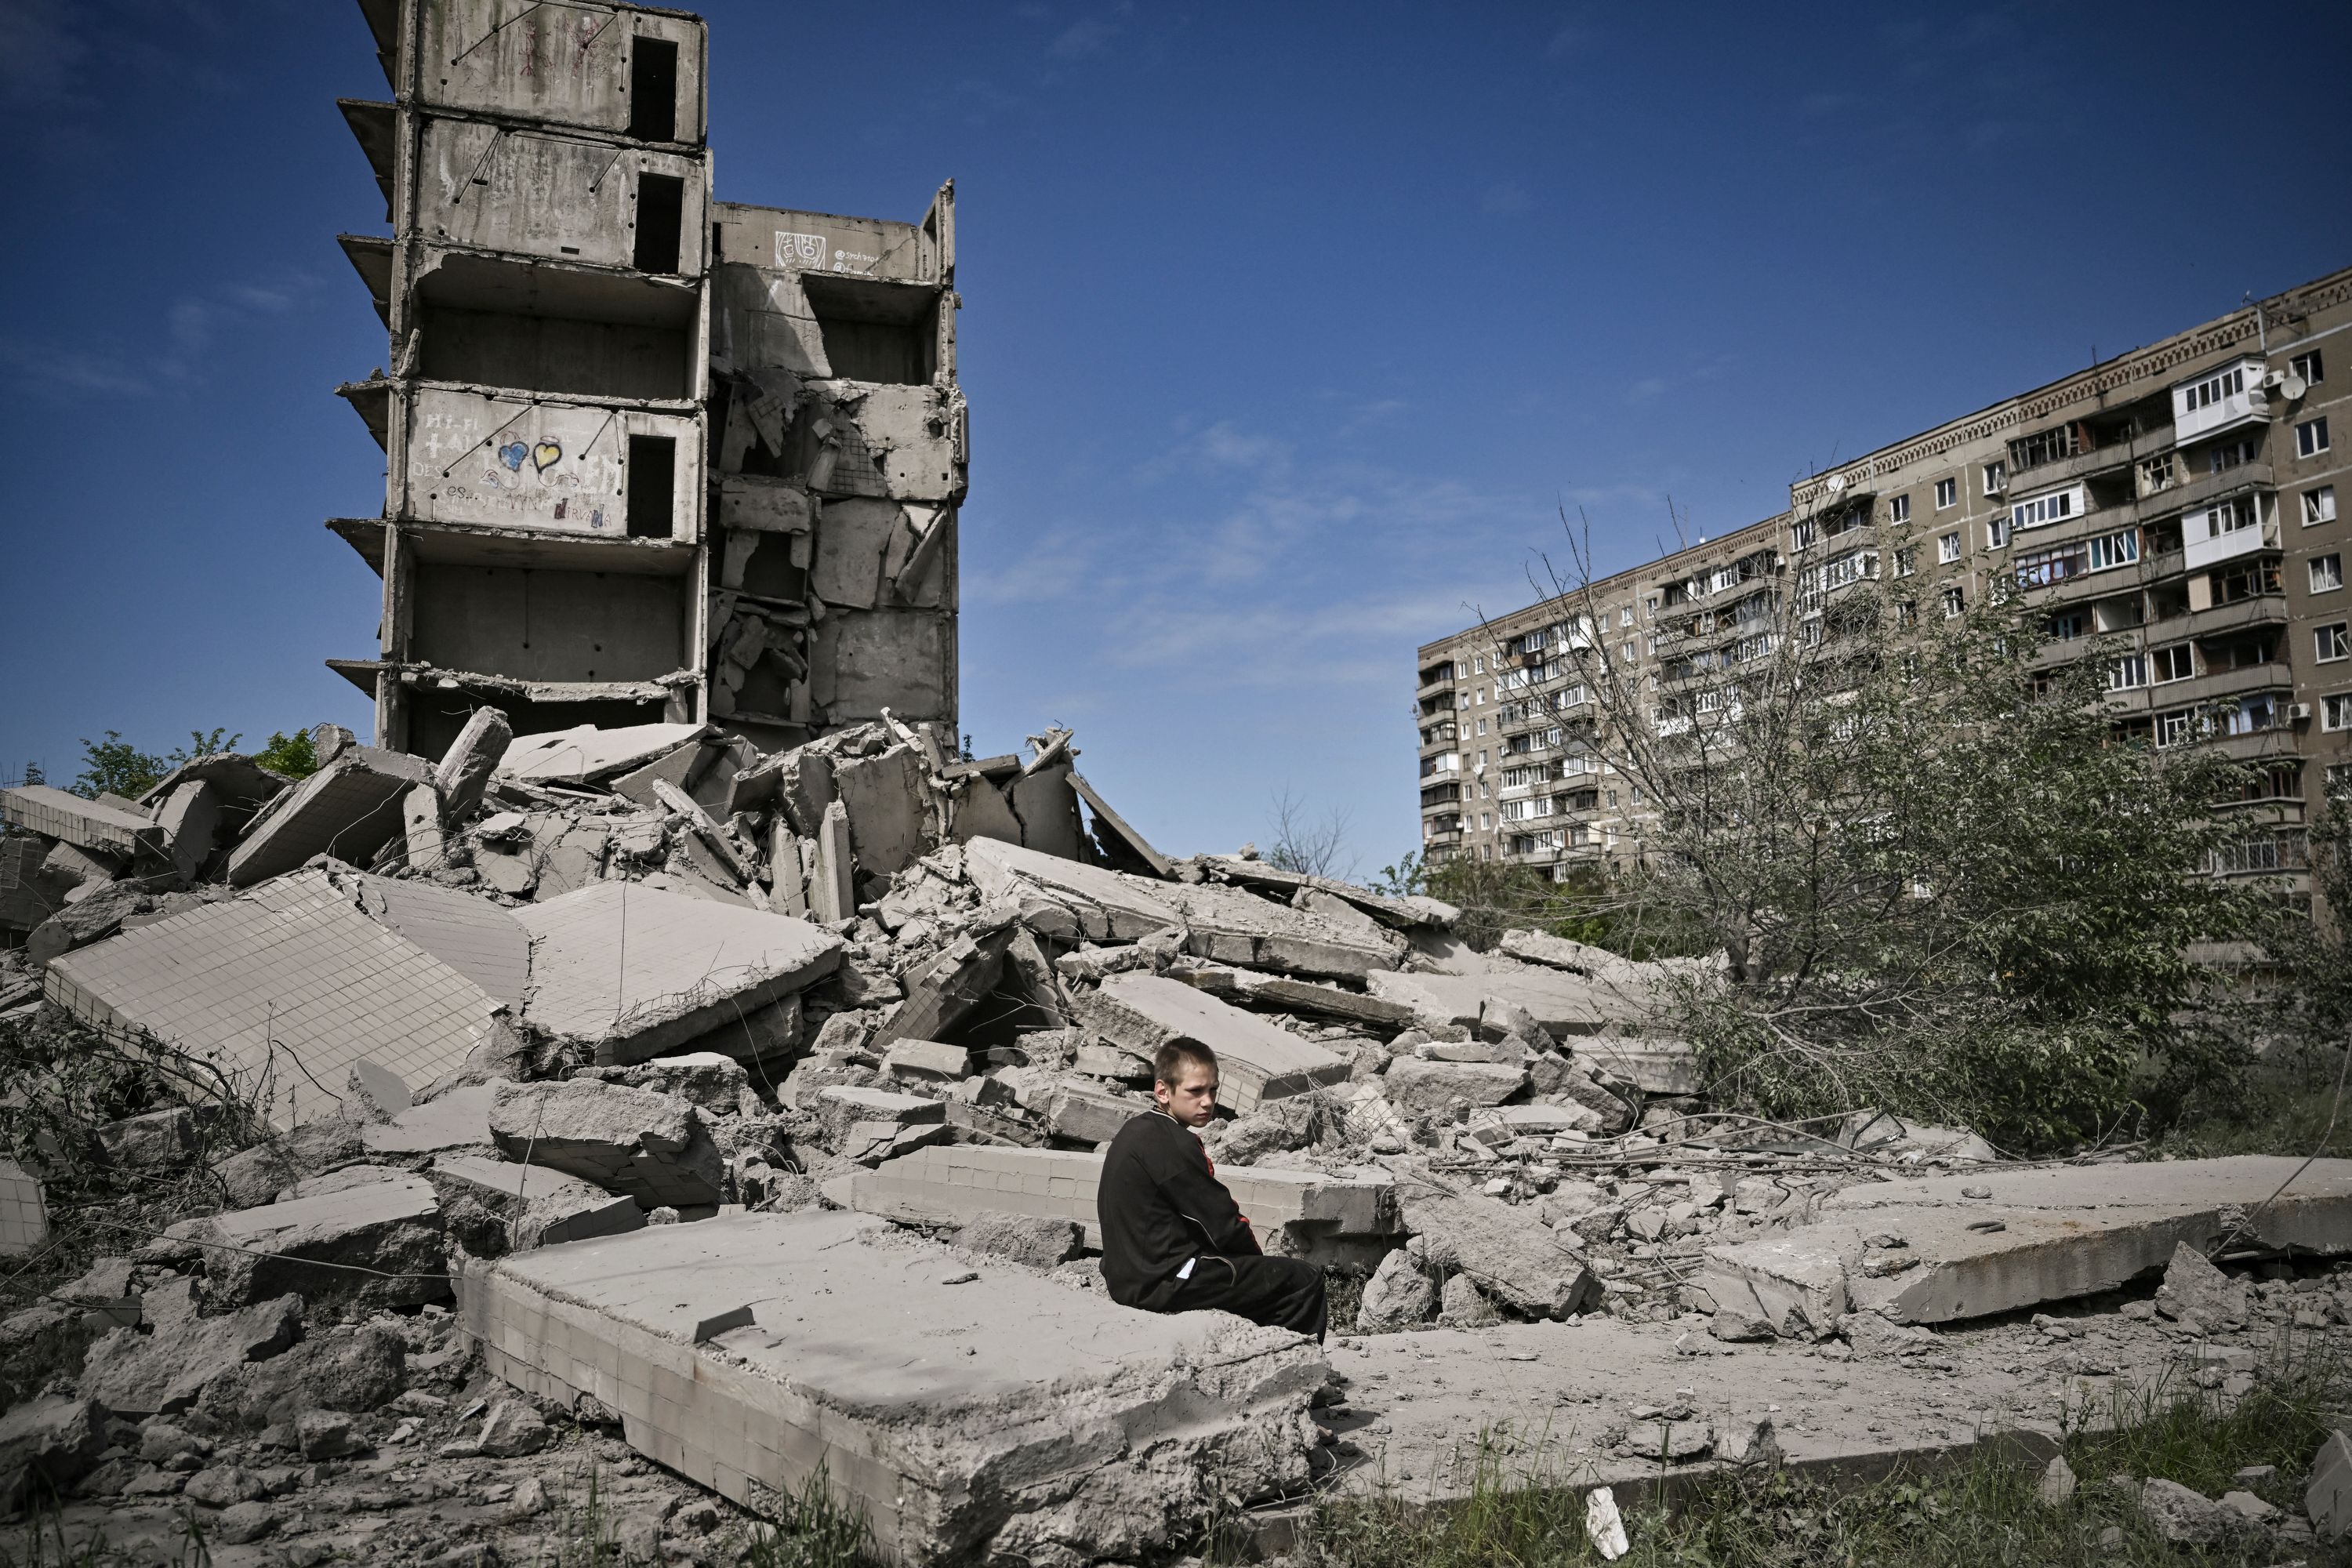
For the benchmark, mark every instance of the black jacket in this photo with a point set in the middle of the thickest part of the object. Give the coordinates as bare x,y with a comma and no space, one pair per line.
1160,1202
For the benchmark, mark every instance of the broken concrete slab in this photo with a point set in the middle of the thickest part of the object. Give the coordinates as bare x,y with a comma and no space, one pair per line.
1087,1115
189,820
1429,1088
84,823
46,1444
23,1211
1653,1065
282,989
712,1081
1562,1003
1398,913
471,935
888,805
944,992
1074,1431
585,755
24,901
349,809
832,893
135,1375
932,1061
652,1146
1507,1252
2042,1235
1257,1060
1109,906
458,1118
240,787
160,1141
91,912
376,1242
1114,830
539,1207
1231,925
953,1183
630,972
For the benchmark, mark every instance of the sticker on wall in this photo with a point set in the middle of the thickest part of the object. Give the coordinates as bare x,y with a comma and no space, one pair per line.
546,455
799,249
512,453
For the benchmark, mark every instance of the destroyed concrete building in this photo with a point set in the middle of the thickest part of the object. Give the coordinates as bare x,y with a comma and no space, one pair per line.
650,457
711,1090
2176,507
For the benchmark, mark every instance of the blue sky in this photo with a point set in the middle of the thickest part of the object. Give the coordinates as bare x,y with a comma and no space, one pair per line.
1287,329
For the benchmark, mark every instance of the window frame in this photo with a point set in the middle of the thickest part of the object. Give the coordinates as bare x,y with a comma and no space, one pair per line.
2311,438
1947,493
2335,634
2318,505
2334,561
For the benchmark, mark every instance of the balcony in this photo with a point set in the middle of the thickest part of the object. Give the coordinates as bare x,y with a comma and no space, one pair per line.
2245,405
2262,610
2203,489
1429,688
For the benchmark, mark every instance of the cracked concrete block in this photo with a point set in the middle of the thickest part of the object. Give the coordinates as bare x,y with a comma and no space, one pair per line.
135,1375
1079,1431
980,812
839,1106
1230,925
1428,1088
833,896
25,903
1110,906
631,972
944,992
458,1118
465,769
652,1146
888,807
46,1444
1088,1114
540,1208
1048,807
851,535
673,769
158,1141
422,837
349,809
387,1229
931,1061
1509,1253
1257,1061
1397,1296
189,819
96,913
585,755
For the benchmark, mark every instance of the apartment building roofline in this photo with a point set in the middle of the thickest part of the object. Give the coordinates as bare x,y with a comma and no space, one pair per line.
2154,359
2248,322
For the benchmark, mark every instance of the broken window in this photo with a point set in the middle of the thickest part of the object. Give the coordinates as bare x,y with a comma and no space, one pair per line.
2233,454
2327,573
2319,505
1995,477
653,487
661,221
2331,643
2043,447
2175,662
2308,366
653,88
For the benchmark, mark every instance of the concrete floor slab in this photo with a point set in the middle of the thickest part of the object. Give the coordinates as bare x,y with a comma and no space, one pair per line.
585,753
84,823
470,934
2040,1234
974,1410
1111,907
350,809
283,989
631,972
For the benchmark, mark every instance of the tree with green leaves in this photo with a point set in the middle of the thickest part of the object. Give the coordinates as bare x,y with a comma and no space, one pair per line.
294,756
1941,879
115,767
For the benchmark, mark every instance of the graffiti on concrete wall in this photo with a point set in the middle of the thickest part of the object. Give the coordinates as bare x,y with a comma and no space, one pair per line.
475,461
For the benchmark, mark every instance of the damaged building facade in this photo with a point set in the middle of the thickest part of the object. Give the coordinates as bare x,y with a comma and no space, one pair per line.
2176,505
650,457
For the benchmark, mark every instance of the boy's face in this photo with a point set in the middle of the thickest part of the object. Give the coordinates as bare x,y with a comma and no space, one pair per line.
1194,1099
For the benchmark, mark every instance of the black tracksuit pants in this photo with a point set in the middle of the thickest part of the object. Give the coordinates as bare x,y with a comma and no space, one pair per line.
1277,1292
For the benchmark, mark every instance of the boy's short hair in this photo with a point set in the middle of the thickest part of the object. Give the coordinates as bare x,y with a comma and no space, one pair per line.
1168,1063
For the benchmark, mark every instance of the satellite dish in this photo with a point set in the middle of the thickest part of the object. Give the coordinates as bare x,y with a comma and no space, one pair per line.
2295,386
1836,483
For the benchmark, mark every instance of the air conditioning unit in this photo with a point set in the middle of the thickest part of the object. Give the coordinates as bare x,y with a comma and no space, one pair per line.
2297,713
2276,378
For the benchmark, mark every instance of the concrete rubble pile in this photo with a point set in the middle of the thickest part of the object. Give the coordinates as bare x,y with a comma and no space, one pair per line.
750,1106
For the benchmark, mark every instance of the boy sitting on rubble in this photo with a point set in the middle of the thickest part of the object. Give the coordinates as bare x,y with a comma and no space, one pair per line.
1173,1238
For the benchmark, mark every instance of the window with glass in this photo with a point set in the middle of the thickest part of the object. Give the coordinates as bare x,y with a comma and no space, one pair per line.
1947,493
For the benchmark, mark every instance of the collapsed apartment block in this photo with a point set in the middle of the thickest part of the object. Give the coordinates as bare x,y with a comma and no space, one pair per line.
650,457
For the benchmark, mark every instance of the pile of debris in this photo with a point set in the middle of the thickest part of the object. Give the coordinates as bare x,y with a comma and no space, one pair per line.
707,1084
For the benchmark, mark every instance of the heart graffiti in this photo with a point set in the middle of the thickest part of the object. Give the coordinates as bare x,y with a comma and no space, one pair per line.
512,453
547,453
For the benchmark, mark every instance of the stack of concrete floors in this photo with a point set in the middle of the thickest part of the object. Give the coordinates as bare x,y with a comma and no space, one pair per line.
756,1101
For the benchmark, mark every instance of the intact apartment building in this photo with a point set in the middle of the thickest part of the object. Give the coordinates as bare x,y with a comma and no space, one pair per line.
2184,501
649,456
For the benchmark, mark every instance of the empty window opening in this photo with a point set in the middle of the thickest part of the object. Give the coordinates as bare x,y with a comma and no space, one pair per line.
653,88
875,330
661,210
653,486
